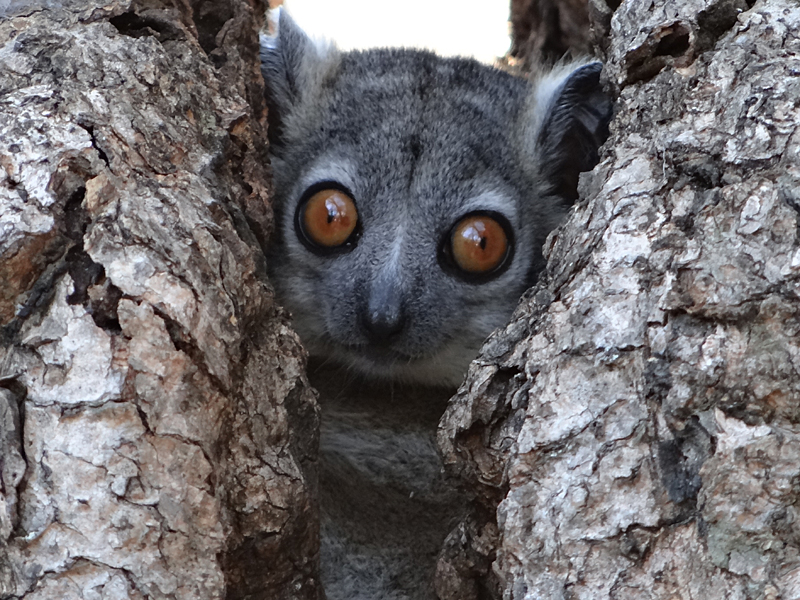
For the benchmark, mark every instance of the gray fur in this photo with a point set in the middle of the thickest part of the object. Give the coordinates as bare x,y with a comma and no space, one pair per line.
386,507
420,141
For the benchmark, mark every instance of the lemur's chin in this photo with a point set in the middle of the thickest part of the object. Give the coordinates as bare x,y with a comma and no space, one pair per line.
383,358
387,364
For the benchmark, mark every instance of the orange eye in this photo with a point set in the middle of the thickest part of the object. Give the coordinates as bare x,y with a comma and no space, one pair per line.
328,218
479,244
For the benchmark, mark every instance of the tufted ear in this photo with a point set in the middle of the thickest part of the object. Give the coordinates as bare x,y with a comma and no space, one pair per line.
572,127
292,65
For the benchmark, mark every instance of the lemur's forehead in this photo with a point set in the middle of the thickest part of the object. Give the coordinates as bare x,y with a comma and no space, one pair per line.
416,100
392,71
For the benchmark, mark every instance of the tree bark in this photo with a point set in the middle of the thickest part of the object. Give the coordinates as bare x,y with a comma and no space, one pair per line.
157,431
544,31
633,432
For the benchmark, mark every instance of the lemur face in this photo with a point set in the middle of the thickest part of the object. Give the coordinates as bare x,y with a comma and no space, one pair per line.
413,195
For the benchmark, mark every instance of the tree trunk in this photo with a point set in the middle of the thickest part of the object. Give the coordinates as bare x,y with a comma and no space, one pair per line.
634,431
543,31
157,431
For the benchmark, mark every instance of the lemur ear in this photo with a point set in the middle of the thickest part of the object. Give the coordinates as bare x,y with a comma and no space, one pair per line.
292,65
574,126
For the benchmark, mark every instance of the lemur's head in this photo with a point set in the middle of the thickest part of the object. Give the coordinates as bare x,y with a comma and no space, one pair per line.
413,194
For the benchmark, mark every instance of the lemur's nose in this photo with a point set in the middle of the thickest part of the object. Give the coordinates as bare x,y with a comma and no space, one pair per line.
384,317
382,328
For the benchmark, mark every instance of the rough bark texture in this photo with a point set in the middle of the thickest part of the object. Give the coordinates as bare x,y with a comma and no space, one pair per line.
157,433
638,419
543,31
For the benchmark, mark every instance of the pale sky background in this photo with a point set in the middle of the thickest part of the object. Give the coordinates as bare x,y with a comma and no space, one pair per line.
450,27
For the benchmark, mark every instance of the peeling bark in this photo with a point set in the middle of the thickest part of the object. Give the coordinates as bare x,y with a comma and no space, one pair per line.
156,426
633,432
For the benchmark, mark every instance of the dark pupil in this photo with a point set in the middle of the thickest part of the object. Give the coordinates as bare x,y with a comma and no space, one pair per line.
483,243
